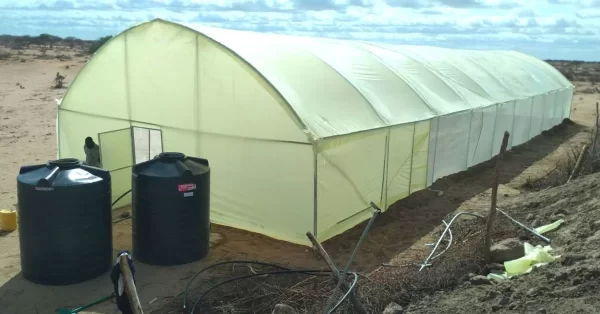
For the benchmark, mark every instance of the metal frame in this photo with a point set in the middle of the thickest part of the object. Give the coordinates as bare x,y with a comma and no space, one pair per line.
149,140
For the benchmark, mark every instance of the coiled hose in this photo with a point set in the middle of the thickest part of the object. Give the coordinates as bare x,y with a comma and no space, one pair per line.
281,271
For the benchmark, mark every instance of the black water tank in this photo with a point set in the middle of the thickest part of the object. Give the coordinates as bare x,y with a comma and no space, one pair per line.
171,209
65,224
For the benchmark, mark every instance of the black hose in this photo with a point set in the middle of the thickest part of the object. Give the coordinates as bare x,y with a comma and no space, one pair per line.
276,272
120,197
185,292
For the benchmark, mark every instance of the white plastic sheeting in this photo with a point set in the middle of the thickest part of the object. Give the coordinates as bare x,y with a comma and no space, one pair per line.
302,133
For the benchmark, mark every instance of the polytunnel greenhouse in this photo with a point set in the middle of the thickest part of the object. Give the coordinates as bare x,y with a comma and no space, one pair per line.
303,133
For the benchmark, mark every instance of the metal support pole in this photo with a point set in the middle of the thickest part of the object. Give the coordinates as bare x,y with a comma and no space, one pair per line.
349,263
516,222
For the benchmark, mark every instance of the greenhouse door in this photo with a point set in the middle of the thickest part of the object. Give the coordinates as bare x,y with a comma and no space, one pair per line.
120,150
147,143
116,155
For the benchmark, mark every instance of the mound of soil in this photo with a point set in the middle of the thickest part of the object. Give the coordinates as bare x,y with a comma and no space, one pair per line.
569,285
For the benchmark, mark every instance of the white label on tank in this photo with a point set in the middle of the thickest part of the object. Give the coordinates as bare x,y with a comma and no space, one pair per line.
37,188
188,194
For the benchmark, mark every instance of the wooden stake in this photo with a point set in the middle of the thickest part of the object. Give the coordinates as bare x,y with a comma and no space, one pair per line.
595,133
492,213
129,286
358,306
578,163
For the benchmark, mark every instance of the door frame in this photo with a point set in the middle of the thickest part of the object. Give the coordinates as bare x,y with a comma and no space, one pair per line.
132,147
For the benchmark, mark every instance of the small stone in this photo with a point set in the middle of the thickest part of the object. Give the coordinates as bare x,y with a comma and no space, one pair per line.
490,295
480,280
503,301
496,308
562,276
530,217
570,259
393,308
542,311
561,211
283,309
531,292
507,250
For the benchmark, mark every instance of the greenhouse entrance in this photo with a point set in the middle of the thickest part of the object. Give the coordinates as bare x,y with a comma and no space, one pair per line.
123,148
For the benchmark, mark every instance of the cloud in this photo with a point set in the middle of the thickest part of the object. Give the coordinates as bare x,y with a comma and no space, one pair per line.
561,29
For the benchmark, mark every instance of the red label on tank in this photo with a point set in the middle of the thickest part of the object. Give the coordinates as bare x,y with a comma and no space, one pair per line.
186,187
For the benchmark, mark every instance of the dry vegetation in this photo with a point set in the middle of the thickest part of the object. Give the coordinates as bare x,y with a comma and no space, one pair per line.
46,46
579,71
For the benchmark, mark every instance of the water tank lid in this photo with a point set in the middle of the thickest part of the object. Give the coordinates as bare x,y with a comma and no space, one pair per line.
65,163
171,156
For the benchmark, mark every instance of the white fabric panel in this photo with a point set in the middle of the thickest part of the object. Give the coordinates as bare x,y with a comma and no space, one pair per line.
435,92
151,88
399,167
260,186
544,69
418,177
361,94
183,141
568,103
474,134
561,100
483,145
537,115
394,100
349,176
522,121
529,79
116,152
442,60
234,100
305,81
75,127
548,111
433,135
451,150
100,87
504,122
120,181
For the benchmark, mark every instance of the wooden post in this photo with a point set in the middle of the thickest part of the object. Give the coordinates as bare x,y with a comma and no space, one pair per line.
129,286
358,306
492,213
595,132
578,163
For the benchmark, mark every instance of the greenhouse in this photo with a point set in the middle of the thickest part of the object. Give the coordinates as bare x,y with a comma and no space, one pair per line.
303,133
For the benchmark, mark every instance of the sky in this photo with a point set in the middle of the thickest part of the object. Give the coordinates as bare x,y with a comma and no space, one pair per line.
547,29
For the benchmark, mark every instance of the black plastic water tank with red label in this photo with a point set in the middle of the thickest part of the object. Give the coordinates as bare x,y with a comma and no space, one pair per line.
171,209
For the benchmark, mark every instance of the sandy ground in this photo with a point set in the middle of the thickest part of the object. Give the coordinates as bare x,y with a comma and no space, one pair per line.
27,136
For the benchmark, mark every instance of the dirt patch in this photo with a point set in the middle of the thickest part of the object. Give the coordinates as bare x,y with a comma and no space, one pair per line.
569,285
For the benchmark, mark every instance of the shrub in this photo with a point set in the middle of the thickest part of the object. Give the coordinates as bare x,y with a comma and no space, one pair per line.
59,80
98,43
4,54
